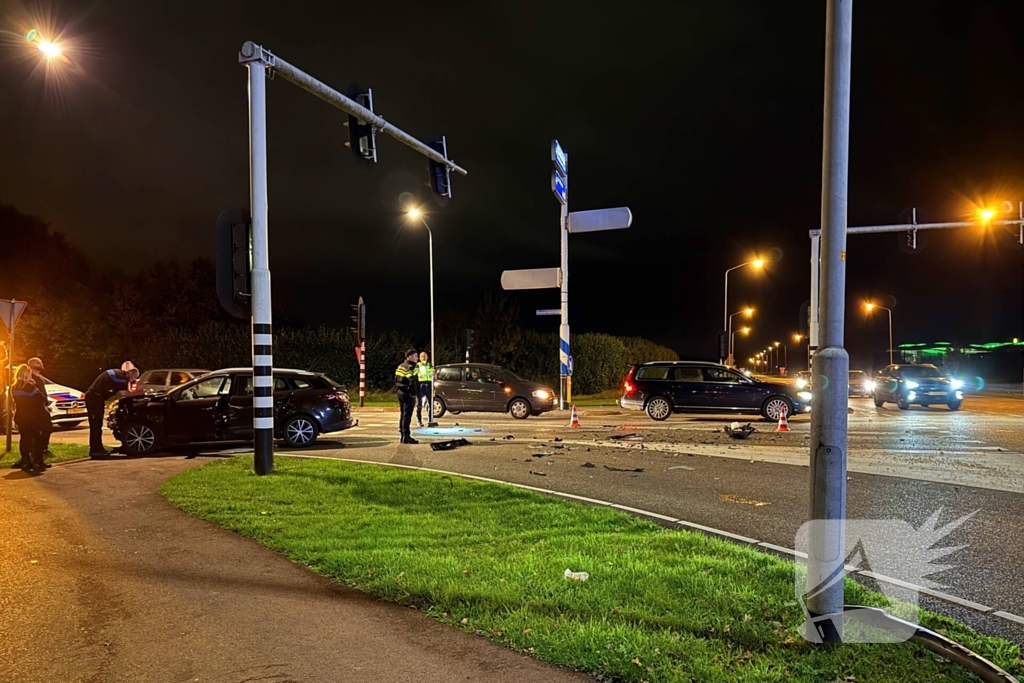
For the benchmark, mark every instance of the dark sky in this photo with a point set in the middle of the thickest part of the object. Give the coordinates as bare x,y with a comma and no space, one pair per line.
704,118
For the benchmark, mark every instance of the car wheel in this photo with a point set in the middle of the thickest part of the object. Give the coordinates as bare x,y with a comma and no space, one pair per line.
139,439
954,405
659,408
440,408
299,431
879,402
519,409
903,403
773,407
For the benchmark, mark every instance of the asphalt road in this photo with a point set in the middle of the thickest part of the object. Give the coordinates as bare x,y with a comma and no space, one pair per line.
903,465
103,581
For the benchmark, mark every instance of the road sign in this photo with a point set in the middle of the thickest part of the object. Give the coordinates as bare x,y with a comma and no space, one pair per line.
569,366
560,187
560,157
10,311
600,219
549,311
536,278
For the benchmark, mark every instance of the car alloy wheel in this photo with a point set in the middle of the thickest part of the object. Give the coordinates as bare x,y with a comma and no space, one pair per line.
659,408
519,409
299,431
139,439
774,407
439,407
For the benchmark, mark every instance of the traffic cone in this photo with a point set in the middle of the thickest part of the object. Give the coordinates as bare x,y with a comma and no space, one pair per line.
783,422
574,419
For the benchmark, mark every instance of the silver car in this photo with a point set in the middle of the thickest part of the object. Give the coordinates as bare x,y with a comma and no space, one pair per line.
159,381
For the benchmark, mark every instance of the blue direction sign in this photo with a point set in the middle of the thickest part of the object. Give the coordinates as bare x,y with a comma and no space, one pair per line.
560,157
569,366
560,186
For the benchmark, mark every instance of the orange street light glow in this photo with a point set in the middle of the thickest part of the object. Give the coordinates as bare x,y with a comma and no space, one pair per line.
757,263
49,49
868,306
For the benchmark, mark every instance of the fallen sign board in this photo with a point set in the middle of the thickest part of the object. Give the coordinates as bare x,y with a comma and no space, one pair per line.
600,219
535,278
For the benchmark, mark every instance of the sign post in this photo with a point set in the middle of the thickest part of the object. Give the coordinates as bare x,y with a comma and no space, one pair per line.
560,188
10,312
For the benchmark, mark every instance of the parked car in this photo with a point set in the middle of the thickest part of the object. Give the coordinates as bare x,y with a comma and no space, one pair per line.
475,387
218,408
861,384
923,384
152,381
663,388
66,406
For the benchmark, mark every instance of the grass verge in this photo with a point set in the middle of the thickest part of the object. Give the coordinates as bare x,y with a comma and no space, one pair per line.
60,451
660,605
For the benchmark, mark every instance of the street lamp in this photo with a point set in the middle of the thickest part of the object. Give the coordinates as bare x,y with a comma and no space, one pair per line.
732,342
416,214
748,311
757,263
785,355
870,306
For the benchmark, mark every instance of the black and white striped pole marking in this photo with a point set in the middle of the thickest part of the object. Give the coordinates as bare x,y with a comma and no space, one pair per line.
258,61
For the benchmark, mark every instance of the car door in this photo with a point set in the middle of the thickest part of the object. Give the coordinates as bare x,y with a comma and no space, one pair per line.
730,391
195,412
239,407
492,391
449,386
687,389
886,383
472,389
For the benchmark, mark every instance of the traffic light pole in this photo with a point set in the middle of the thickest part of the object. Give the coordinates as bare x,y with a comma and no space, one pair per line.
258,60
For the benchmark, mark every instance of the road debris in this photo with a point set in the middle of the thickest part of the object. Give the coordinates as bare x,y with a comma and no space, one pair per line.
588,464
680,467
539,474
632,436
448,445
543,454
558,440
732,498
508,438
623,469
736,431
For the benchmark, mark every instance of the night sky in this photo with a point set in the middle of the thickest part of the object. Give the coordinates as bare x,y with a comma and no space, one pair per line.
705,118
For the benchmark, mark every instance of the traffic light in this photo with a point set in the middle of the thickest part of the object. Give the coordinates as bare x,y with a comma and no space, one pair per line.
362,138
359,320
234,262
469,339
723,345
440,175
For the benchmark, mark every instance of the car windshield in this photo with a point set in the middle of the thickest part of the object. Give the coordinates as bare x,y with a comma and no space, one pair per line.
921,372
858,374
514,377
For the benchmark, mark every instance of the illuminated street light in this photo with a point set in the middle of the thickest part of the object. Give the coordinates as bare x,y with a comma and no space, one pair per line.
49,49
415,214
986,215
757,263
730,360
870,306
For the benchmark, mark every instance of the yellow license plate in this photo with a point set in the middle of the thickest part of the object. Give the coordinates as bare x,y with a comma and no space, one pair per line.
76,411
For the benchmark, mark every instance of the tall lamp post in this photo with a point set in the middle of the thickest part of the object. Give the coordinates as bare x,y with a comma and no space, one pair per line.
747,311
757,263
870,306
803,337
416,214
732,343
785,355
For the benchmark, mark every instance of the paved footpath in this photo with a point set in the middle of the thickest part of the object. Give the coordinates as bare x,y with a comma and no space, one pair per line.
102,580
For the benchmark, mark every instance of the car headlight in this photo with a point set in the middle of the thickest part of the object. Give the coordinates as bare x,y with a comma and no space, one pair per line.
805,395
801,383
541,394
869,385
911,384
956,383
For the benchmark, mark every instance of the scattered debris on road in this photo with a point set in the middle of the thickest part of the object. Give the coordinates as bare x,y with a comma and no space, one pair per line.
632,436
623,469
539,474
736,431
543,454
680,467
588,464
448,445
508,438
733,498
557,440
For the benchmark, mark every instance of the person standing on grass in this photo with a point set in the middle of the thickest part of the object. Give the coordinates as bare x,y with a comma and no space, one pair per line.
425,379
36,365
109,383
407,386
32,419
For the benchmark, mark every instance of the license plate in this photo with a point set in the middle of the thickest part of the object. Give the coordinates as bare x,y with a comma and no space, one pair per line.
76,411
936,393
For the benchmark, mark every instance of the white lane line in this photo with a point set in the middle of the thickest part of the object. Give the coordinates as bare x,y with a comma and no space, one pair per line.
977,606
689,525
1010,617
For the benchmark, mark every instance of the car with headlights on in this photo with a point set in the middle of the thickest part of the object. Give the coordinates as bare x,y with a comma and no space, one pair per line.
477,387
666,387
861,385
218,408
802,379
923,385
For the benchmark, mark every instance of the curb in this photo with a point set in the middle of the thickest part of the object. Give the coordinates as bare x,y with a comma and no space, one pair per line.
763,546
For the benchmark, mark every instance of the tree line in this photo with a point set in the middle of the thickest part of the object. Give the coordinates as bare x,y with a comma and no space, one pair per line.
82,320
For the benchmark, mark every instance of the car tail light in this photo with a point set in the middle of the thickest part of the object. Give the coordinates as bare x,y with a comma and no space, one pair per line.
336,396
627,385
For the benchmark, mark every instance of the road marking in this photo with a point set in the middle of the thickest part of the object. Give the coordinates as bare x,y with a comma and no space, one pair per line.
688,525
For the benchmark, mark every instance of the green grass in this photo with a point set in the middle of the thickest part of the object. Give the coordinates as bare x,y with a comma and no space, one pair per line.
605,398
660,605
61,452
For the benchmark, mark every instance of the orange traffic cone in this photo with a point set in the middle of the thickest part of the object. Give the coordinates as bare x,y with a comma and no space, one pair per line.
574,419
783,422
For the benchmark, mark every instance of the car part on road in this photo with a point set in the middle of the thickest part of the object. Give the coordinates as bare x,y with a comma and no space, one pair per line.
737,432
448,445
539,474
632,436
299,431
623,469
588,464
544,454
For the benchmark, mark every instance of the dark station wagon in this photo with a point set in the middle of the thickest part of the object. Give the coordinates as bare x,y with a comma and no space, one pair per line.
663,388
218,408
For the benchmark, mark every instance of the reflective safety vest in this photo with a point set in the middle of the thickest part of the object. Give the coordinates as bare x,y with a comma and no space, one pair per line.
405,377
424,372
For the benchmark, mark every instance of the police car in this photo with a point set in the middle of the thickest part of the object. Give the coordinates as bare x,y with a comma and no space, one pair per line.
67,405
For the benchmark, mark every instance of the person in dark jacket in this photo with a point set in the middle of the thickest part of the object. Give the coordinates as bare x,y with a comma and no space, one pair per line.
36,365
407,386
107,384
32,418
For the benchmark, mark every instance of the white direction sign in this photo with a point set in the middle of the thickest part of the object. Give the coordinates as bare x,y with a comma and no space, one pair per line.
600,219
536,278
549,311
10,311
